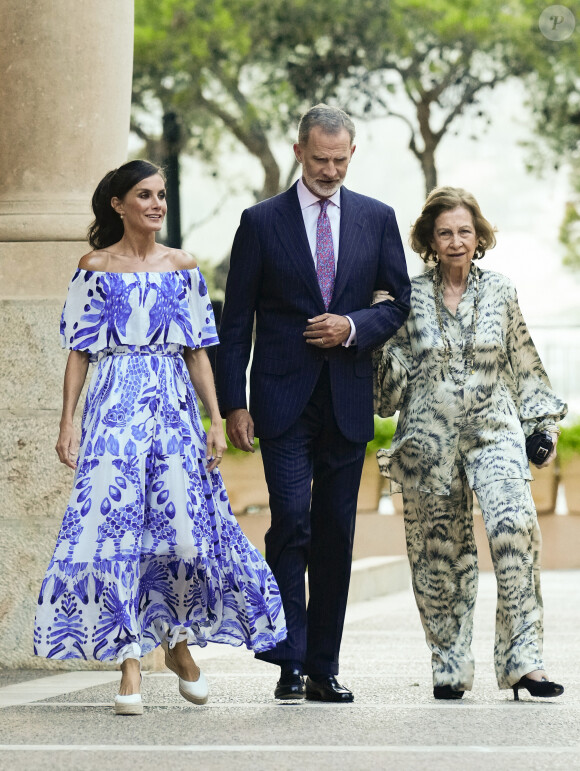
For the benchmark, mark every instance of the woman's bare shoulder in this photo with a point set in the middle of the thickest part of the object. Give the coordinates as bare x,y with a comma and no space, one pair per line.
96,260
183,260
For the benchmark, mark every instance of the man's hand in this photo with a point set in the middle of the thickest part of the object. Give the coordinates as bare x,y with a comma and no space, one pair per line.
327,331
240,429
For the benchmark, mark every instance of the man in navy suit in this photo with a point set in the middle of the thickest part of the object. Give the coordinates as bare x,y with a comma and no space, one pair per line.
304,266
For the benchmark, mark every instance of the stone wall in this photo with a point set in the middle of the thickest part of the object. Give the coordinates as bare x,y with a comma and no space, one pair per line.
65,94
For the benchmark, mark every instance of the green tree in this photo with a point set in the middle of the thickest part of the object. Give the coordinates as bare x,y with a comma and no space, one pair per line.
443,57
247,68
224,67
190,57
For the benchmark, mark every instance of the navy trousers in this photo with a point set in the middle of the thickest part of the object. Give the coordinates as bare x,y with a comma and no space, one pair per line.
313,475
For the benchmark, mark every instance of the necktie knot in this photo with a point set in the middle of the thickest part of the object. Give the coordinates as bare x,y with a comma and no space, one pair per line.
323,206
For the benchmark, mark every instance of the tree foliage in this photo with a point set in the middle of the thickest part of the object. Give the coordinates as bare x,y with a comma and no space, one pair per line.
442,56
246,69
224,67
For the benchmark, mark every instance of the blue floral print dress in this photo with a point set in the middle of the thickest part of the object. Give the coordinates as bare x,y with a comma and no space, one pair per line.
149,549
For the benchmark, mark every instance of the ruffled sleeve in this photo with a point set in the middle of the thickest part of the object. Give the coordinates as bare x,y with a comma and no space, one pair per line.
390,371
538,406
201,311
80,321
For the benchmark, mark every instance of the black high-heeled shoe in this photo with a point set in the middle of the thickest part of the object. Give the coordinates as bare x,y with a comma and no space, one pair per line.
544,688
446,692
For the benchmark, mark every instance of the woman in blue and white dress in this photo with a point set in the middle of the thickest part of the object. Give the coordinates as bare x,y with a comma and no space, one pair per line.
149,551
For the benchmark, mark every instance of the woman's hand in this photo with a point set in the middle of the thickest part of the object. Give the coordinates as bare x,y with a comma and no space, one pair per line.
201,376
68,443
216,445
67,446
552,454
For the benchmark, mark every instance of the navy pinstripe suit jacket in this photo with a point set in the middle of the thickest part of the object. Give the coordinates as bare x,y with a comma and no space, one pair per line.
272,277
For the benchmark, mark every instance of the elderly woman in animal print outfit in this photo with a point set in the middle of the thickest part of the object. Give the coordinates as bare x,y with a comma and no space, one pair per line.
470,387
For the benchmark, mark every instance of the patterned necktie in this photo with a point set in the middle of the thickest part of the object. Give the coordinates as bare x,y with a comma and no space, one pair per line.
324,254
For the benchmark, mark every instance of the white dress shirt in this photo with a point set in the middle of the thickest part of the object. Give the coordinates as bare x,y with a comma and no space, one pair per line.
310,206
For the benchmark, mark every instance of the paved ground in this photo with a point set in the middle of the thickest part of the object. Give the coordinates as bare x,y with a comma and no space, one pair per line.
393,723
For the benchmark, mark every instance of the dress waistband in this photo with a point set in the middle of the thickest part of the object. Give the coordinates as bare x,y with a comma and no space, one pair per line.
161,349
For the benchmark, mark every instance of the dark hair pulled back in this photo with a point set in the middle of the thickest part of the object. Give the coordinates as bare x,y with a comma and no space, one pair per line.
107,227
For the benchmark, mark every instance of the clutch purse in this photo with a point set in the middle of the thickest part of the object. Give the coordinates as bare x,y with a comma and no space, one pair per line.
538,447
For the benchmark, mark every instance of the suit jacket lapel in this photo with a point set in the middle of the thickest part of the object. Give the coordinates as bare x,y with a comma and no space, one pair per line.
351,223
292,233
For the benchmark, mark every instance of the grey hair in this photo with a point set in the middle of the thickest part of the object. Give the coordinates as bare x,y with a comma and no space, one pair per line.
330,119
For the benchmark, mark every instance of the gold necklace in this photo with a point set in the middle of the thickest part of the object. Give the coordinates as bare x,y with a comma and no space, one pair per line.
469,348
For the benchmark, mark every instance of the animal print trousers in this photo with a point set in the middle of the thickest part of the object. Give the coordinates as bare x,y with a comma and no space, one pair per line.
443,558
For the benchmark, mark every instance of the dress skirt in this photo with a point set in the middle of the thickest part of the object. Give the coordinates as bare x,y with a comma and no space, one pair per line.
149,548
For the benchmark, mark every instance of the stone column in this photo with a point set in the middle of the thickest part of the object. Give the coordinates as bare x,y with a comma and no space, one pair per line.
65,92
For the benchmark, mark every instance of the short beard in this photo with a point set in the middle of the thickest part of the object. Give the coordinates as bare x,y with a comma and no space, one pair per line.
321,191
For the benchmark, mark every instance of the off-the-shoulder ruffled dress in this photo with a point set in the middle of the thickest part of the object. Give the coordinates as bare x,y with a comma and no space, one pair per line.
149,548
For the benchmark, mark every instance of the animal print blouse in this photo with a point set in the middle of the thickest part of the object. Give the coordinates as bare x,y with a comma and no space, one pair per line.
468,392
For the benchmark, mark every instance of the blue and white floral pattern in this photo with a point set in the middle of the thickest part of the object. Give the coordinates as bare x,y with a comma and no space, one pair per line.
149,548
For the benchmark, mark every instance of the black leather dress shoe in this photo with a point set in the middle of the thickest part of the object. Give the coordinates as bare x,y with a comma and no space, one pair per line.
446,692
290,685
327,689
